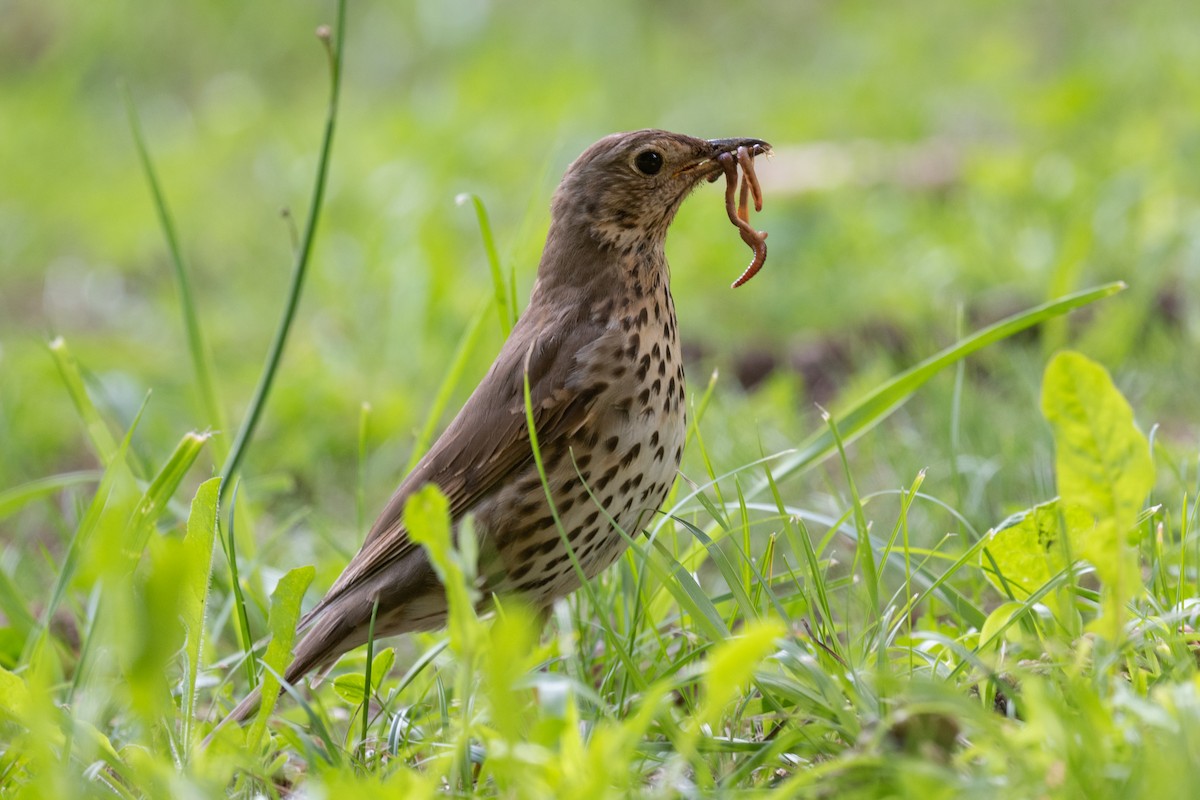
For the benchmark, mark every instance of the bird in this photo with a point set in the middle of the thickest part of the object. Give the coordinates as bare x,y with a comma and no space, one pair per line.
598,344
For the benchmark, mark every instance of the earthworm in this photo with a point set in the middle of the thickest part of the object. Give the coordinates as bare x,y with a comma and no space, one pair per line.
739,215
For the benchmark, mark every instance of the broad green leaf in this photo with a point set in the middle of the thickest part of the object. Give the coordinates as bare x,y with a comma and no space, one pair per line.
148,602
14,697
1028,549
1102,465
198,549
381,665
350,687
512,640
427,517
732,664
282,619
997,620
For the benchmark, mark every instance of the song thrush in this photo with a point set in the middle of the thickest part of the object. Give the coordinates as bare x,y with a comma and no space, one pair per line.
599,346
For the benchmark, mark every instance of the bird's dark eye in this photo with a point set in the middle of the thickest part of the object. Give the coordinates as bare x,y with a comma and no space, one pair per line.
648,162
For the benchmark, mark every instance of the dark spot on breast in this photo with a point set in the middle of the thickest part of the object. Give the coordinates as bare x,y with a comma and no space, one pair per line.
566,505
657,351
625,487
611,443
521,571
583,460
643,367
654,438
662,369
632,454
656,387
643,317
606,479
618,370
660,453
678,454
643,397
591,518
671,386
622,406
668,353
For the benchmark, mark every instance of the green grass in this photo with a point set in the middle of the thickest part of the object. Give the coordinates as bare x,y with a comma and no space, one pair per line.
975,575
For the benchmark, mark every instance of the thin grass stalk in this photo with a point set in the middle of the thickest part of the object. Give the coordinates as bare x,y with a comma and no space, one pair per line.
303,254
197,347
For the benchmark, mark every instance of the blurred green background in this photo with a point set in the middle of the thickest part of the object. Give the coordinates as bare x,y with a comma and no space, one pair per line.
938,165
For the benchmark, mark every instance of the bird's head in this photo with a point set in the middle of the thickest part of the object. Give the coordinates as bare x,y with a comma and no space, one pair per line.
625,189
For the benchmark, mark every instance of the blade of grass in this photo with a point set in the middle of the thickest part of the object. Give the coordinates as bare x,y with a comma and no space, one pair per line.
162,489
366,708
862,553
98,432
201,359
258,402
876,406
14,499
506,313
229,543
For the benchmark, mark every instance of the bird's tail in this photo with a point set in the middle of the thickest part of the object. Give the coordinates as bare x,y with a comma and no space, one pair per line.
329,635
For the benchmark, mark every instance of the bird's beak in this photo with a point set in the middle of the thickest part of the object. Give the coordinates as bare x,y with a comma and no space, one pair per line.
707,165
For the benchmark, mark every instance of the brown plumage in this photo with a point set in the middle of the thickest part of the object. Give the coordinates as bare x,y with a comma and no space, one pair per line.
600,347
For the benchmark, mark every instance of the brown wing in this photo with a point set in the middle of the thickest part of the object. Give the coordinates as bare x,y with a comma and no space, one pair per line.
488,439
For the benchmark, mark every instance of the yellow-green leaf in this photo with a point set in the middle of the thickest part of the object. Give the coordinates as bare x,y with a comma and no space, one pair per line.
198,550
427,517
282,619
1028,550
732,664
1103,465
